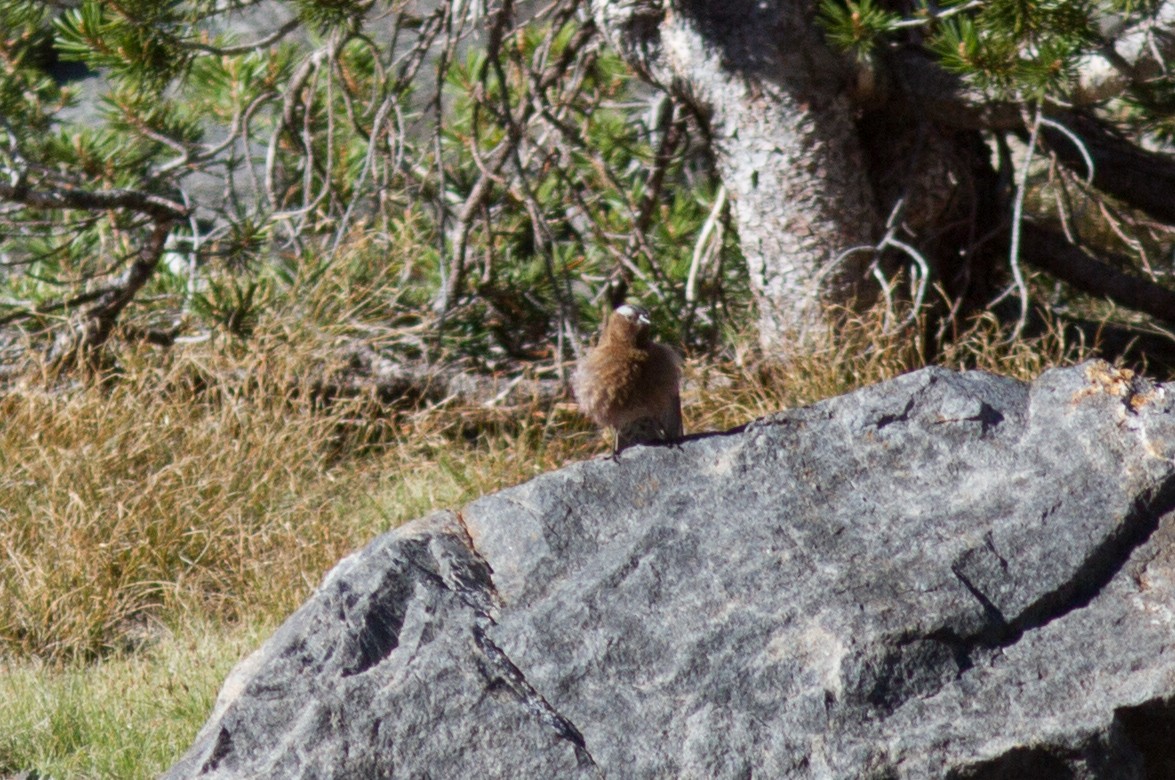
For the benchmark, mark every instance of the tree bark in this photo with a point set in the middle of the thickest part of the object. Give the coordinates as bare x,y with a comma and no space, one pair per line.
776,103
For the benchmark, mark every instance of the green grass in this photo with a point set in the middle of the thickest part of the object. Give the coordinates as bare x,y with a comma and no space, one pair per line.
129,715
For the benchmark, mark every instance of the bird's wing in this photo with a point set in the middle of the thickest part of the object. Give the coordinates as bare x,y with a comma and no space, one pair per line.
671,418
667,370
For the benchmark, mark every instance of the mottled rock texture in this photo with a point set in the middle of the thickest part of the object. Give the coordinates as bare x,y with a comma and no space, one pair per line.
945,575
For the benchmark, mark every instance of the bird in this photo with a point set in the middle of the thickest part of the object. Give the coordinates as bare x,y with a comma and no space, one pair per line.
630,383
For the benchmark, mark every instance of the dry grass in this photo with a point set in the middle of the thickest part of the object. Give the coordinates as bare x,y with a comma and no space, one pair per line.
211,480
150,523
722,395
214,486
166,491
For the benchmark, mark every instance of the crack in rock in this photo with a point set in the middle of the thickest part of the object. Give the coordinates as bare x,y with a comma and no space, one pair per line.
504,670
383,618
886,680
1091,577
499,666
886,420
451,562
220,751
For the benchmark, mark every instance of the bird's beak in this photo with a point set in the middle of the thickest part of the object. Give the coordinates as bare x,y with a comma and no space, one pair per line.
643,319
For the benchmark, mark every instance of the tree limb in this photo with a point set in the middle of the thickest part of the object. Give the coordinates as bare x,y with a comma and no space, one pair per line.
1050,252
97,322
1141,178
64,197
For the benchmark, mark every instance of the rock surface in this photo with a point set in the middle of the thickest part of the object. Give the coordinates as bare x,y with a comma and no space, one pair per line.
945,575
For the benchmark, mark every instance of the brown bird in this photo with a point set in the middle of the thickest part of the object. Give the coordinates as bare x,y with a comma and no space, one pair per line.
630,383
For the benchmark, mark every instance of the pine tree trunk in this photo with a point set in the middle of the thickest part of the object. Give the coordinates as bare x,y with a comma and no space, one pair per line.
787,146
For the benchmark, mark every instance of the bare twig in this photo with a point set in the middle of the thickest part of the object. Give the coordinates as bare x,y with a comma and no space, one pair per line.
933,16
453,281
246,48
712,219
368,160
670,128
1017,220
1077,143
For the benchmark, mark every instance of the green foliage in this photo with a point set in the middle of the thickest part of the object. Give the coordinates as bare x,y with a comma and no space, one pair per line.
856,27
233,304
139,42
326,14
530,253
1016,49
28,97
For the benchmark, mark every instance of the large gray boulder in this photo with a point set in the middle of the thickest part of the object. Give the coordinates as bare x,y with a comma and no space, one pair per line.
945,575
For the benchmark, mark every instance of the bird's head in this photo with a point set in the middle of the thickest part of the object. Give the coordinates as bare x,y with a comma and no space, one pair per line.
629,322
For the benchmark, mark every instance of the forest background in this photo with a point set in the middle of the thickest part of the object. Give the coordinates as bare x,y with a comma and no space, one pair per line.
276,277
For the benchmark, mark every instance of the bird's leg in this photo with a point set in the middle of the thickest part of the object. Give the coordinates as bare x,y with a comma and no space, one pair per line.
670,442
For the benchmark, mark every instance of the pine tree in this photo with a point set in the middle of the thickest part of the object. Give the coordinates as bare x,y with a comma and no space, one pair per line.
893,138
